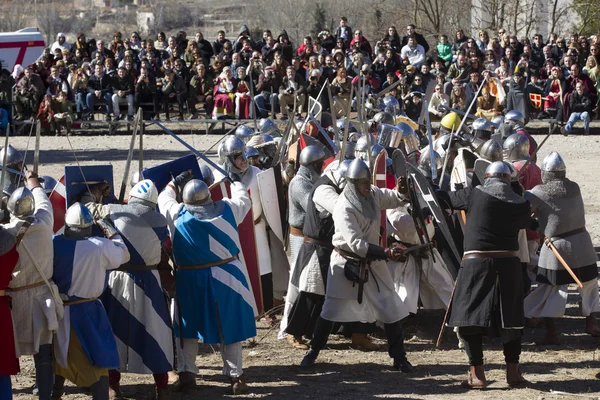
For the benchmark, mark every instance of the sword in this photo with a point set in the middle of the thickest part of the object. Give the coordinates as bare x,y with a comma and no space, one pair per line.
552,247
12,171
4,161
388,89
361,281
36,152
220,139
331,108
417,215
89,182
471,116
462,123
346,127
430,137
252,105
190,148
129,156
534,153
313,106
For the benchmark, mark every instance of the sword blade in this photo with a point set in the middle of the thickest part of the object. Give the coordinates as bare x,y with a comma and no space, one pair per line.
129,157
430,137
36,152
4,161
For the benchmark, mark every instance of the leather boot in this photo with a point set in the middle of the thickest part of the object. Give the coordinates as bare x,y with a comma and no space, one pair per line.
551,338
591,326
238,385
99,390
309,358
475,378
362,342
297,342
513,375
187,381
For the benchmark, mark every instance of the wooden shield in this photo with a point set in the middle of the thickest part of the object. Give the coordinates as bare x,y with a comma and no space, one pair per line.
536,100
79,178
59,205
380,180
269,196
162,174
402,118
249,254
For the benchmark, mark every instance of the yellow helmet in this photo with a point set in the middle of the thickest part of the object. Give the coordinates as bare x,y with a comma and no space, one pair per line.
451,121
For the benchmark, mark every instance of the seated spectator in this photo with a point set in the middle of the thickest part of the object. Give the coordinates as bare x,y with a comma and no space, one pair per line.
393,39
413,106
218,44
458,98
217,66
459,42
460,69
438,99
173,89
269,49
410,31
472,86
61,43
224,93
265,98
591,68
580,105
145,92
359,39
45,115
182,72
100,48
79,81
82,44
201,91
554,92
63,113
99,89
161,41
226,53
242,95
358,59
444,49
575,77
503,72
123,89
26,96
292,92
109,67
117,40
487,105
56,83
286,47
204,45
188,55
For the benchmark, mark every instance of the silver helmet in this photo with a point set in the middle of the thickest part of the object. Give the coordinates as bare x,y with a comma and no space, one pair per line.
383,117
358,171
341,125
491,151
21,203
13,157
482,128
391,105
389,135
207,175
266,125
251,152
362,146
312,154
516,148
553,162
220,154
78,216
135,178
196,192
409,137
342,168
233,147
349,153
440,145
265,140
243,132
425,162
48,183
376,149
515,117
499,170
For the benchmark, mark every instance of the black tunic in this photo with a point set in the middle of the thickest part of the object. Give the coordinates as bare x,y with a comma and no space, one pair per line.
489,289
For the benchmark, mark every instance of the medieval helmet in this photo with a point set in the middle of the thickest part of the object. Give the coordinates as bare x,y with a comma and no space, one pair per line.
553,167
21,203
78,216
13,156
362,146
145,190
243,132
195,192
376,149
499,170
48,183
515,117
491,151
341,124
135,178
233,147
312,154
251,152
207,175
391,105
342,168
450,122
349,151
266,125
358,171
482,128
389,135
409,137
497,120
516,147
383,117
440,145
220,154
425,161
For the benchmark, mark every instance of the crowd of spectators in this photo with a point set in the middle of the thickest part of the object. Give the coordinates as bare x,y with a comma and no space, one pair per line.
554,77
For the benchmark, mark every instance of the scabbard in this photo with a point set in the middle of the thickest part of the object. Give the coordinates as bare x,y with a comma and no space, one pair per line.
361,283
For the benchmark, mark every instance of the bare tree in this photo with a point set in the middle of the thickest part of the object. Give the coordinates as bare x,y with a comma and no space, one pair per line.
13,16
557,14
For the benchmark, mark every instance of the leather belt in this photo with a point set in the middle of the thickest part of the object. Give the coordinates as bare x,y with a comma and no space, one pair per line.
33,285
318,242
79,301
569,233
2,293
470,255
134,268
296,232
348,254
257,220
207,265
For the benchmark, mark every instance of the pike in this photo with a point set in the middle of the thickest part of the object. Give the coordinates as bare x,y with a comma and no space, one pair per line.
555,251
331,108
534,153
4,161
190,148
12,171
221,138
430,138
252,105
281,149
342,152
388,89
462,123
36,151
471,116
314,104
89,182
129,156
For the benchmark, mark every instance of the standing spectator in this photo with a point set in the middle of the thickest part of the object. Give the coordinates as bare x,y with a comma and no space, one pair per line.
123,89
581,107
269,49
287,50
173,88
63,113
414,51
61,43
327,40
517,98
420,39
99,88
344,31
145,91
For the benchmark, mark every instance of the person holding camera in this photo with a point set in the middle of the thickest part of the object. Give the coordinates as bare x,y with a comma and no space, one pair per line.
291,88
266,100
145,91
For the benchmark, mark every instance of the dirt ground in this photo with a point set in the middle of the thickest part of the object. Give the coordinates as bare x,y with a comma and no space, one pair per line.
571,370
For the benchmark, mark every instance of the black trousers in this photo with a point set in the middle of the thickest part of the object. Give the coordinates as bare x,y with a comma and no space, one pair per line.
474,349
393,332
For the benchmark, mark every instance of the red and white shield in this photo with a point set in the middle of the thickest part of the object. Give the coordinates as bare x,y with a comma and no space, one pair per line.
59,205
536,100
380,180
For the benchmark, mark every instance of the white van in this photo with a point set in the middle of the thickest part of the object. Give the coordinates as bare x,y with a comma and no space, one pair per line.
23,47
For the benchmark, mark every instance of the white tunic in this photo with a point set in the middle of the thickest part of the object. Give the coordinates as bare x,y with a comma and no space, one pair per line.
353,233
34,310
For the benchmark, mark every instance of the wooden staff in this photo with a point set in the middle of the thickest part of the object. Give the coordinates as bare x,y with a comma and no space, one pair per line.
551,246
